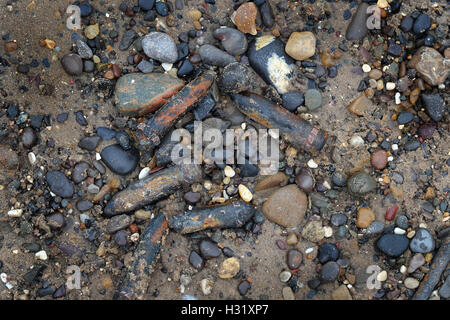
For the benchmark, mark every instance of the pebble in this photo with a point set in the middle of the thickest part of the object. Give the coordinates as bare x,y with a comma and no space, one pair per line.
235,78
393,245
293,259
80,118
411,283
288,294
209,249
361,183
214,56
146,4
206,285
127,39
329,272
271,181
59,184
245,193
41,255
382,276
359,105
379,159
285,276
10,46
145,66
305,180
313,231
84,205
15,213
407,24
286,206
341,293
233,41
422,24
327,252
229,268
301,45
365,217
84,51
293,100
431,66
192,197
338,219
142,214
434,105
89,143
29,138
405,117
72,64
357,29
92,31
268,58
243,287
119,160
160,46
313,99
426,130
119,222
444,291
140,94
244,18
196,260
423,242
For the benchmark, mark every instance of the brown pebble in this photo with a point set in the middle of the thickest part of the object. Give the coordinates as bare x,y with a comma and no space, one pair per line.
116,71
294,259
375,74
109,75
244,18
365,217
379,159
10,46
414,96
327,59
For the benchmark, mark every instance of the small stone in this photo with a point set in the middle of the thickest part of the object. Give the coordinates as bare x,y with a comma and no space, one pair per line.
92,31
229,268
430,64
301,45
59,184
41,255
293,100
233,41
294,259
119,160
160,46
361,183
235,78
244,18
29,138
423,242
305,180
119,222
84,51
341,293
434,105
209,249
72,64
365,217
393,245
286,206
422,23
411,283
327,252
313,99
285,276
329,272
142,214
245,193
359,105
89,143
313,231
214,56
382,276
379,159
243,287
196,260
206,285
357,29
288,294
127,39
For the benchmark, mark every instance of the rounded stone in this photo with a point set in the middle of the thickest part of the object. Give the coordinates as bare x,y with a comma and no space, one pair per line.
361,183
59,184
329,272
305,180
72,64
160,46
327,252
423,242
301,45
313,99
393,245
294,259
118,160
209,249
379,159
365,217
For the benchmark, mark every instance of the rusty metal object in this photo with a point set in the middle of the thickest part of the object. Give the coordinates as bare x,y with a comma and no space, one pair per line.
438,266
300,133
233,215
154,187
151,134
145,256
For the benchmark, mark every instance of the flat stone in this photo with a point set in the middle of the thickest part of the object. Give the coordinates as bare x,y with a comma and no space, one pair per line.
361,183
327,252
329,272
313,99
393,245
416,262
118,160
60,184
271,181
244,18
138,94
357,28
313,231
160,46
434,105
431,65
72,64
209,249
214,56
359,105
365,217
119,222
286,206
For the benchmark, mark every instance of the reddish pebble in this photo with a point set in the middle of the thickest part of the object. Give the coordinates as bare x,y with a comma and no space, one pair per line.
109,75
281,244
391,212
116,71
379,159
133,228
10,46
426,130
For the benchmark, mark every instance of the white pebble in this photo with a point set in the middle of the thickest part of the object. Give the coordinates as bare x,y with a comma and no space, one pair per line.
397,98
328,231
366,68
229,172
134,237
31,158
245,193
167,66
41,255
395,147
144,173
403,269
411,283
285,276
382,276
356,141
207,286
4,277
390,86
312,164
399,231
98,156
15,213
309,250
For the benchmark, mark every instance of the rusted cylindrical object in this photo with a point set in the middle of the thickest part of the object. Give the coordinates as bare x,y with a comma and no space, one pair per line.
145,256
300,133
233,215
154,187
153,131
438,266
